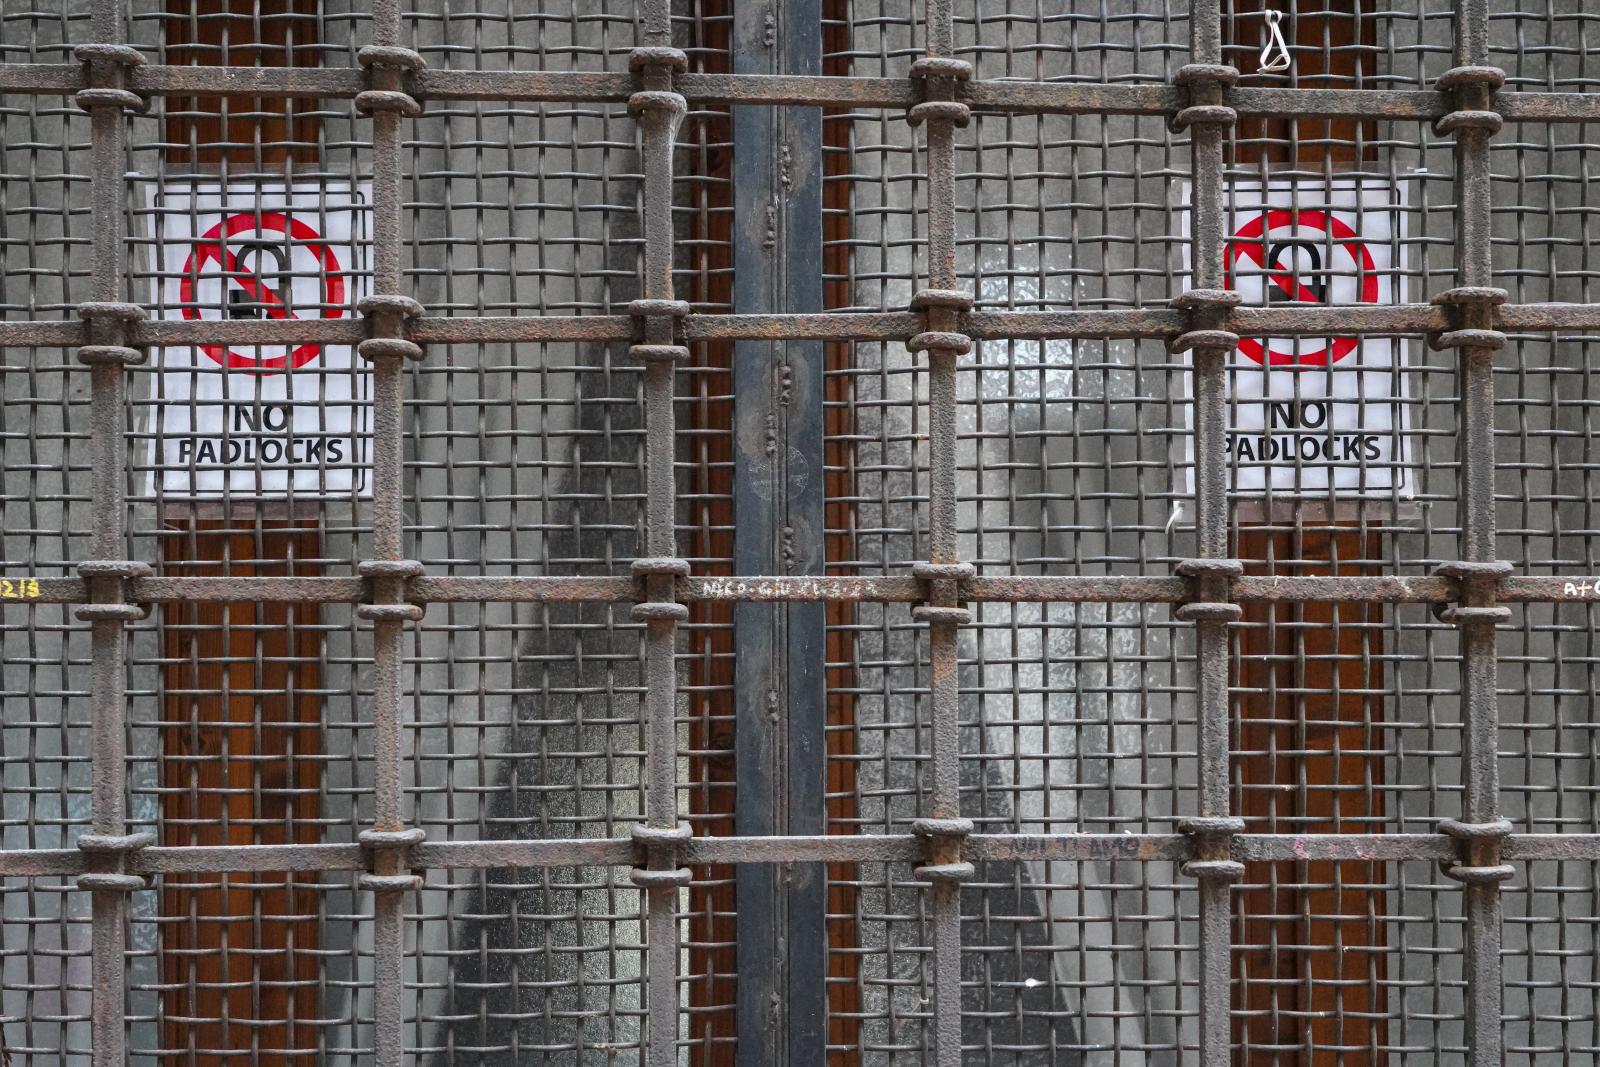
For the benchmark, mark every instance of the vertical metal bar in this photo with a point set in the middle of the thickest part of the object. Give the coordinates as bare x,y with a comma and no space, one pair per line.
1471,84
779,692
387,101
1208,118
106,317
660,111
942,303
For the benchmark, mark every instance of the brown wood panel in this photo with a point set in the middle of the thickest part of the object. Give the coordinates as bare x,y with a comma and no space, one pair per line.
1310,744
839,518
713,966
241,715
242,133
1310,965
1326,35
240,730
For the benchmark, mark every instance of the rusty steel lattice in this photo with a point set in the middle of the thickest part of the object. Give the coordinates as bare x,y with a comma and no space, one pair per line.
392,86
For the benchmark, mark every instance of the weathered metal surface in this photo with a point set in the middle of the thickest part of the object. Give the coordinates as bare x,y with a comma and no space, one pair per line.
1466,105
1206,305
788,588
996,95
1042,589
832,848
780,690
1147,323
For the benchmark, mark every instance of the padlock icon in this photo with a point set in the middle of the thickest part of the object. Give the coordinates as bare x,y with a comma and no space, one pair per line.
1313,280
251,261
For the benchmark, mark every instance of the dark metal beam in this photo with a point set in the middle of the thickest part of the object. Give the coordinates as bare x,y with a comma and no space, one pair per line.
778,521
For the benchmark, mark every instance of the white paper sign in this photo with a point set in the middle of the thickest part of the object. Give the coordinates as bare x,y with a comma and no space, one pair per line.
259,420
1316,416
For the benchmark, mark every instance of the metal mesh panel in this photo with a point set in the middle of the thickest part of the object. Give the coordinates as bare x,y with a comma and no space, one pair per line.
1121,762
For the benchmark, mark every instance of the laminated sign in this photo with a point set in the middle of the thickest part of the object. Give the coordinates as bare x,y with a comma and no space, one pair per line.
1315,416
269,420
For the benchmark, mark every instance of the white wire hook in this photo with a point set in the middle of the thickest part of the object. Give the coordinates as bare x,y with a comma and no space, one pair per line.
1275,53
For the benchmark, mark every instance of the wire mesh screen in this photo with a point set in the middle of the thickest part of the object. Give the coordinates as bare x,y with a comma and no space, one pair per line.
829,531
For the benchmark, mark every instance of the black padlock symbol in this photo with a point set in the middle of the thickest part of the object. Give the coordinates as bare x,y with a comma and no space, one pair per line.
250,261
1312,279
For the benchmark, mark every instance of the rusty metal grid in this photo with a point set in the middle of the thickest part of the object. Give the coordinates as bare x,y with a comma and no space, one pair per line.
391,592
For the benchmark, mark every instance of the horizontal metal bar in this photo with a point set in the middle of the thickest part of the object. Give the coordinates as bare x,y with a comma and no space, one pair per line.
887,589
1548,107
1342,320
1273,848
841,848
46,78
526,86
1146,323
1394,104
1072,98
835,326
993,95
326,82
530,590
1367,588
223,589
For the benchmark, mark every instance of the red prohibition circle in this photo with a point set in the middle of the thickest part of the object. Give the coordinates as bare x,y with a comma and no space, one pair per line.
1248,243
212,246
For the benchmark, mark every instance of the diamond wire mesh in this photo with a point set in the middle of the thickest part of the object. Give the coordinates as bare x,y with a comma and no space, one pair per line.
484,671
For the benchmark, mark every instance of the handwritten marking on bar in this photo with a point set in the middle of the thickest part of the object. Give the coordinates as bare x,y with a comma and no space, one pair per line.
737,588
1585,587
19,589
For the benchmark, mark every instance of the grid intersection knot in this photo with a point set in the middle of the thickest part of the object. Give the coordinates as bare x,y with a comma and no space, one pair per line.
388,857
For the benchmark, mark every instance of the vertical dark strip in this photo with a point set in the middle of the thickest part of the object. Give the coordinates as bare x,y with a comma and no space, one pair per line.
780,693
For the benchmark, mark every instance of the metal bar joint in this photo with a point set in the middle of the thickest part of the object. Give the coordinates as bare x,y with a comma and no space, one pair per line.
106,74
391,71
941,79
1213,847
1205,87
389,598
945,838
1480,862
1211,581
1471,91
1470,310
